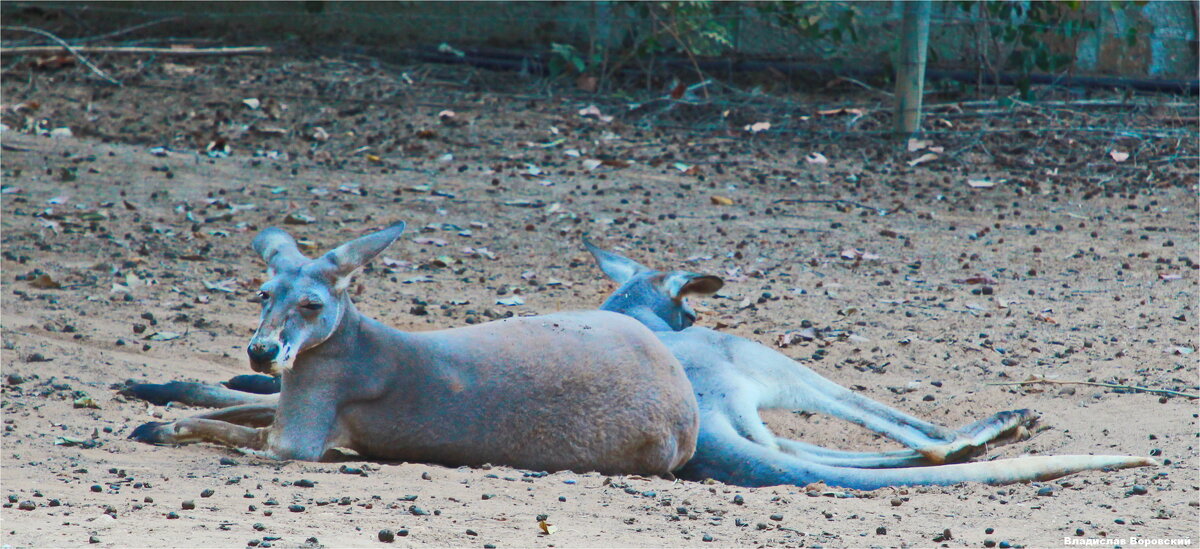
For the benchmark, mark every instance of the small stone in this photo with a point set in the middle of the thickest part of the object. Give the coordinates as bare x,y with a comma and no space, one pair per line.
989,543
1005,544
296,508
896,502
777,517
228,461
401,532
1046,491
471,532
488,496
97,488
706,537
207,493
93,539
189,505
739,500
258,526
562,498
417,511
989,530
27,505
148,499
304,483
387,536
1137,490
425,476
172,515
881,531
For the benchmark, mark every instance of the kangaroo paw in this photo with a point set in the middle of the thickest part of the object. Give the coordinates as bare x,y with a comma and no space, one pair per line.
154,432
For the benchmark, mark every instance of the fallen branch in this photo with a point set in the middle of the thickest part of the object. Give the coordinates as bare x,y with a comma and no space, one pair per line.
73,50
1036,380
241,50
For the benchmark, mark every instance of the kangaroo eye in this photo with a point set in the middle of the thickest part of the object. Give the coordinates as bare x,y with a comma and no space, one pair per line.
263,296
313,305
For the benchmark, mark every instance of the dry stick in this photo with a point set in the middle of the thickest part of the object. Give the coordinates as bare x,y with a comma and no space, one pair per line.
1097,384
245,50
74,51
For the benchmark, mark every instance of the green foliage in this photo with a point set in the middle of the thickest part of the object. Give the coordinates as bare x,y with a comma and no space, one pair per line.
567,59
1027,27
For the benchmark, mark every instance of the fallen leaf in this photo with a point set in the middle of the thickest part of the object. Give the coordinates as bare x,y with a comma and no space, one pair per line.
816,158
511,301
757,127
915,144
45,282
843,110
252,102
1169,276
1118,156
981,183
721,200
922,159
164,336
86,402
590,164
547,528
72,441
1045,318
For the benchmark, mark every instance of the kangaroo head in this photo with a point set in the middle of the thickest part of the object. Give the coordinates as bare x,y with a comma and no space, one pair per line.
657,299
305,300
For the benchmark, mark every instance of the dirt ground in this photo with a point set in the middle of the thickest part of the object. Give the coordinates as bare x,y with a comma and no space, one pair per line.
126,257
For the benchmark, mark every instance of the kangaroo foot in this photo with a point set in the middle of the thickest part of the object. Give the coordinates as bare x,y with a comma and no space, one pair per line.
974,439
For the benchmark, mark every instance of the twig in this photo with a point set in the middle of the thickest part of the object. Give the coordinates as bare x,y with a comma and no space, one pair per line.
74,51
243,50
804,201
1096,384
128,30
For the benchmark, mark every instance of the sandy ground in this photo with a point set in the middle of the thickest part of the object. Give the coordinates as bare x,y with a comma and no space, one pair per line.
121,262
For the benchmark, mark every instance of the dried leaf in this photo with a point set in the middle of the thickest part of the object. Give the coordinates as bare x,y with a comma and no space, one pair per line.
1045,318
511,301
721,200
981,183
757,127
591,164
547,528
252,102
816,158
86,402
164,336
922,159
915,144
1118,156
1169,276
45,282
843,110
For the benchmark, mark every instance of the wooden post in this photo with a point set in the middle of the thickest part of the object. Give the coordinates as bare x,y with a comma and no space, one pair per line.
910,72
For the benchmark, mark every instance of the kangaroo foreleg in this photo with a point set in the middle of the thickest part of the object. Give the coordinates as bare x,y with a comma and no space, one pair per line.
196,429
842,458
194,394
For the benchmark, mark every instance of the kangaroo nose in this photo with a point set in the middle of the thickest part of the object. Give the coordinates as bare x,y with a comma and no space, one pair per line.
262,352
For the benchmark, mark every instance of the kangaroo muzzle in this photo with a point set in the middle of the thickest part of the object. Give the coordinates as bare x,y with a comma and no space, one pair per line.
263,356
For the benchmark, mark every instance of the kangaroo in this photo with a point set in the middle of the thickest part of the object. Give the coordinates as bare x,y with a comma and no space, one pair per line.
734,378
583,391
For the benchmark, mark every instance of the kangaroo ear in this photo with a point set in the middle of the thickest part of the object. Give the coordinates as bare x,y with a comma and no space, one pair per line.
278,249
681,284
351,256
617,267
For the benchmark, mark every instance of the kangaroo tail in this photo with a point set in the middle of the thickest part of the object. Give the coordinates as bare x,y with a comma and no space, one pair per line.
725,456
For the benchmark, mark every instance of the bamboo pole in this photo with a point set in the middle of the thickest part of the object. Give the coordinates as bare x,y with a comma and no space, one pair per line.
910,71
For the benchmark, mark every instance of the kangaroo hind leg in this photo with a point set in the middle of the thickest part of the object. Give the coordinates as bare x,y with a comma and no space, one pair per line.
196,429
194,394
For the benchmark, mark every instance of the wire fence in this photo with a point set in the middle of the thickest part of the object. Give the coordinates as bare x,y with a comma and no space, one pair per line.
811,82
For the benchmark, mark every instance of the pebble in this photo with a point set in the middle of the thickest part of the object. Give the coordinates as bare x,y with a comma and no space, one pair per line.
471,532
347,470
1005,545
896,502
258,526
97,488
707,537
1046,491
296,508
881,531
387,536
425,476
172,515
989,543
402,532
207,493
739,500
777,517
27,505
228,461
1137,490
417,511
188,505
304,483
990,530
93,539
